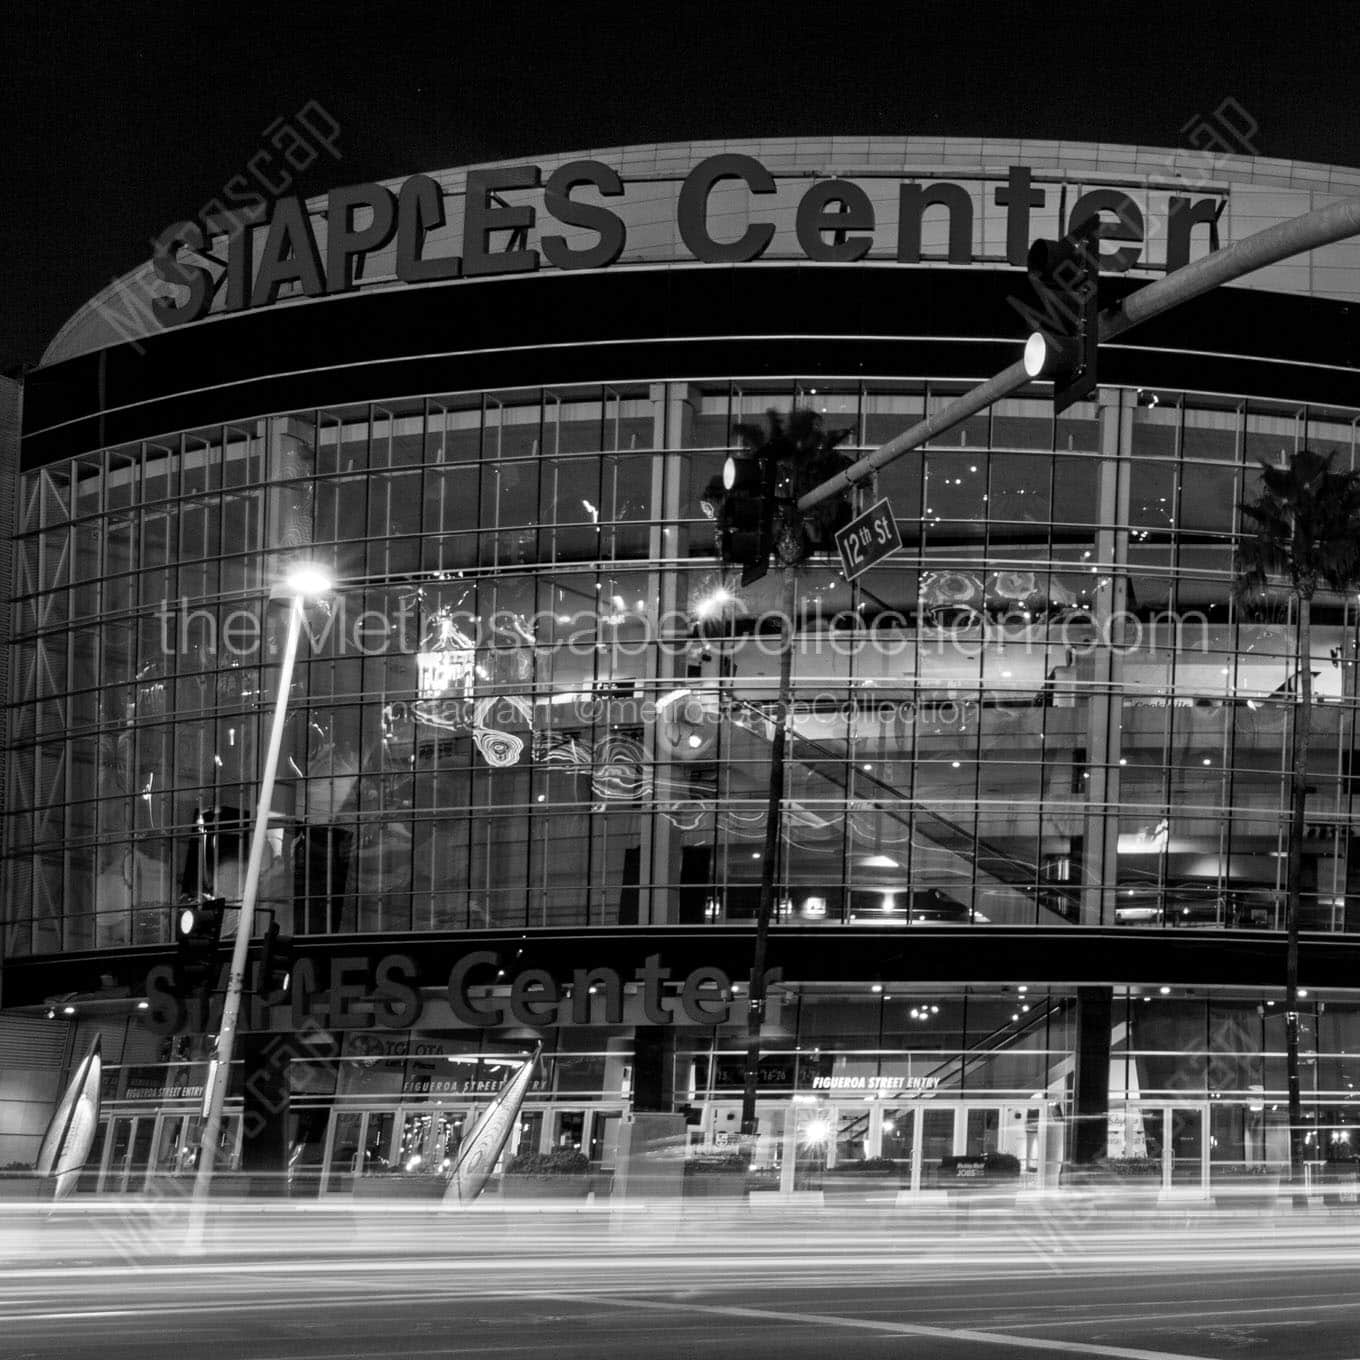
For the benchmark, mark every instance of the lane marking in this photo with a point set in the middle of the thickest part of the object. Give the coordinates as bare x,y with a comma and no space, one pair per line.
895,1328
1235,1312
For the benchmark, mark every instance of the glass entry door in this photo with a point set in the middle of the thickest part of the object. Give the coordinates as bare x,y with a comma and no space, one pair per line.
127,1153
430,1137
360,1145
927,1132
1178,1135
138,1147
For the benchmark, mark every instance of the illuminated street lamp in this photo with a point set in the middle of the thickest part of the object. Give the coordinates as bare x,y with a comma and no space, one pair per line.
304,582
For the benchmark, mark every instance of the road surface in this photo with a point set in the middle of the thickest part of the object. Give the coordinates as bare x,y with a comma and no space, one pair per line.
391,1281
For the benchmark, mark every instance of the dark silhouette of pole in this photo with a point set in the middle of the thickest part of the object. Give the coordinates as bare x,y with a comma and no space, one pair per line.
1301,731
755,1011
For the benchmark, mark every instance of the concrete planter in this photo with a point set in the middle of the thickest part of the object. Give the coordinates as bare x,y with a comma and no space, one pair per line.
544,1187
1246,1192
24,1185
715,1184
860,1185
400,1187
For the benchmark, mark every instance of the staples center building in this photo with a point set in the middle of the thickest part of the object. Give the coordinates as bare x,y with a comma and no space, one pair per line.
1035,820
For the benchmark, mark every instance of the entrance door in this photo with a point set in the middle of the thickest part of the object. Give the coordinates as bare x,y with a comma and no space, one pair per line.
604,1139
360,1144
850,1134
177,1146
127,1153
1178,1135
430,1136
593,1131
137,1147
926,1132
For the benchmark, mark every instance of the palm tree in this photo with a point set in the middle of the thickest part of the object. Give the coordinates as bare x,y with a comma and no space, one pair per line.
1300,535
805,454
801,454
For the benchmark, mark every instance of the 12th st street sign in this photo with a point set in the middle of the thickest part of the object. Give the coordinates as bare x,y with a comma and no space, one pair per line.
867,539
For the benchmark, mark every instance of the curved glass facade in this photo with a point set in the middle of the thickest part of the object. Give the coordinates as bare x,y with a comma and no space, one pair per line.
535,701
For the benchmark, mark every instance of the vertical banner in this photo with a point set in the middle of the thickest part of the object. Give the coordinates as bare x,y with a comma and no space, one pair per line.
70,1134
483,1145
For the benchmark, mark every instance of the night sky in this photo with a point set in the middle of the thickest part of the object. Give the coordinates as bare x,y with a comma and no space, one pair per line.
123,116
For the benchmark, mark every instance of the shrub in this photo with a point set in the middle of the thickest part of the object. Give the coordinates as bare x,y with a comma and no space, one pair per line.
1130,1168
558,1162
716,1161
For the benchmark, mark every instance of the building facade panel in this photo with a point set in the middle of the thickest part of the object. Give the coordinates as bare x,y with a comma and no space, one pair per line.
536,708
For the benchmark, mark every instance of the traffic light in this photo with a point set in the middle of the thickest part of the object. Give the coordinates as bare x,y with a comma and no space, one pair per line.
743,510
276,963
1065,343
198,928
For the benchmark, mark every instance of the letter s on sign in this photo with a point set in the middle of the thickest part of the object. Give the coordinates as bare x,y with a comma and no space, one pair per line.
397,1005
169,268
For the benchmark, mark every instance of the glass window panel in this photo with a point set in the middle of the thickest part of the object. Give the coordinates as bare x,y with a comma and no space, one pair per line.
1078,427
394,502
1152,498
888,414
200,463
1019,491
342,444
751,405
572,424
630,421
513,429
158,472
955,495
1208,497
56,558
1272,431
453,432
1154,431
1022,423
88,488
398,435
341,509
450,500
711,423
121,488
1211,435
199,523
1330,432
1075,490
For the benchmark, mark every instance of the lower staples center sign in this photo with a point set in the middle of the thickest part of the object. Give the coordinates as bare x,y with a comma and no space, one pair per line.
868,539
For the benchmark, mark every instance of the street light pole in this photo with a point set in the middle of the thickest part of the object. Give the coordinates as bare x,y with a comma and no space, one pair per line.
302,583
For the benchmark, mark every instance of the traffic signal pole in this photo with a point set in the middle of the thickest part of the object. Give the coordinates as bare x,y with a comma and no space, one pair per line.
755,1009
1321,227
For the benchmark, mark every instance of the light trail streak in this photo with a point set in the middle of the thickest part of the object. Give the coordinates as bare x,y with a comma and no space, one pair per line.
1012,1343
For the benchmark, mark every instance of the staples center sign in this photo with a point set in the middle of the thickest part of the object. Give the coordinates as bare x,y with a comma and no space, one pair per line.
358,992
514,219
